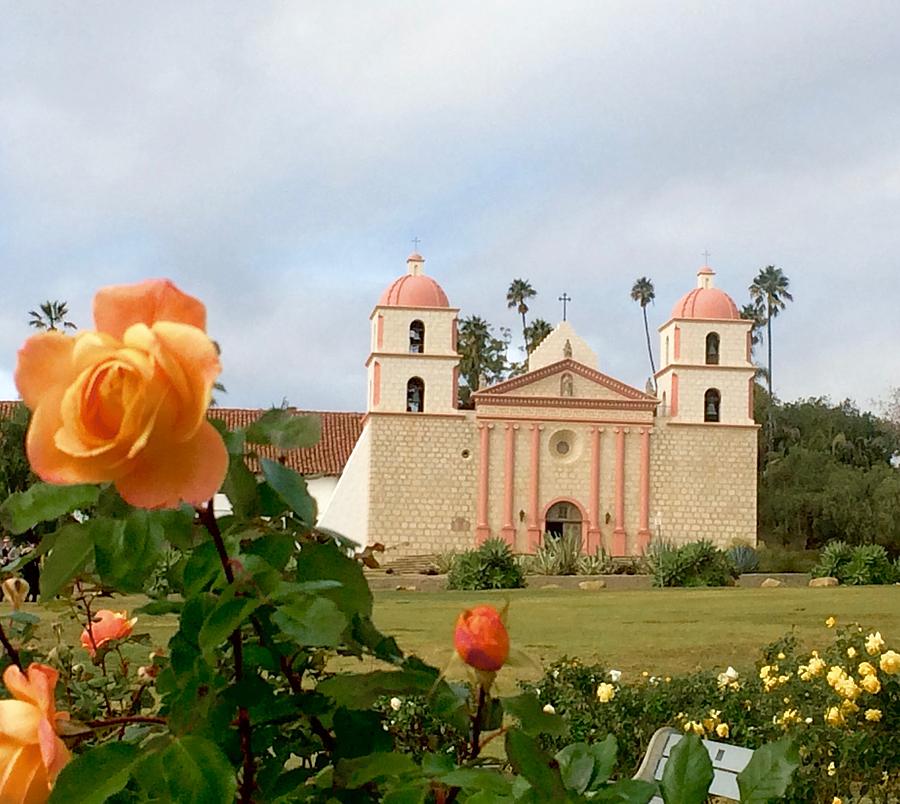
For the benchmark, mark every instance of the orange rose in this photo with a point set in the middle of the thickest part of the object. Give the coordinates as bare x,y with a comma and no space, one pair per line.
481,639
31,753
106,626
127,403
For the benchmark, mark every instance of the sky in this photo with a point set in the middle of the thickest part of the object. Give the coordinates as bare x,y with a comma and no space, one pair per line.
276,160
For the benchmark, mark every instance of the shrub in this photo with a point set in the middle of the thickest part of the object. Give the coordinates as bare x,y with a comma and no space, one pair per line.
490,566
744,558
856,566
443,562
558,556
845,729
693,564
600,563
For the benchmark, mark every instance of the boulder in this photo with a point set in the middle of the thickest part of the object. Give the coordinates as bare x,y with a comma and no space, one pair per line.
591,586
817,583
405,588
771,583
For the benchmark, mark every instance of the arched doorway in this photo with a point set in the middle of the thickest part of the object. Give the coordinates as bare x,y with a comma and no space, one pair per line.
563,518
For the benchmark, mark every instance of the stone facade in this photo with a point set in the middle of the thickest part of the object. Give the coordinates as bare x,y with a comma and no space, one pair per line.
560,447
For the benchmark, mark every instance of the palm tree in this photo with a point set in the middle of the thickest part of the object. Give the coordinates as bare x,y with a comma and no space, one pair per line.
52,315
519,292
769,292
535,332
754,312
642,291
482,356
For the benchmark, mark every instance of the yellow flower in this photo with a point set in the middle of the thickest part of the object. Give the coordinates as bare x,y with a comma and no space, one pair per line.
789,717
873,714
871,684
837,800
829,623
780,655
848,708
847,688
890,662
833,716
851,652
835,674
866,669
874,643
723,731
764,671
606,692
831,769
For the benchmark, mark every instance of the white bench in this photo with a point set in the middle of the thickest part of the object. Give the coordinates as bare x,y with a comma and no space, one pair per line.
727,761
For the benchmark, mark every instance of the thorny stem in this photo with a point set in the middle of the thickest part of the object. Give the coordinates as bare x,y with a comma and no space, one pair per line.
208,518
124,721
475,746
11,651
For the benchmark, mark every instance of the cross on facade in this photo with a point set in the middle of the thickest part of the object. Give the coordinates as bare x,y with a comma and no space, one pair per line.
706,257
565,299
415,242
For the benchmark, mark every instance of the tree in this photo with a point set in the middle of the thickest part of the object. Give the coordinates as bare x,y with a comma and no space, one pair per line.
642,292
52,315
535,332
482,356
754,312
769,291
520,291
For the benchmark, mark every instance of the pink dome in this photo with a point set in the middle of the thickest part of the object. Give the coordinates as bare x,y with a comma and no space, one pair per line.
412,290
706,303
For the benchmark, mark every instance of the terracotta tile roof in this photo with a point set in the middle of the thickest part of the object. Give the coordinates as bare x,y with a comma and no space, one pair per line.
340,432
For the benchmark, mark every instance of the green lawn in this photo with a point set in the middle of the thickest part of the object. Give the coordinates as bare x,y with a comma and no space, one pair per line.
662,631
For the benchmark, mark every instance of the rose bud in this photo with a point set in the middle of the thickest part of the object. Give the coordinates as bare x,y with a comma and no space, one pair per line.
481,639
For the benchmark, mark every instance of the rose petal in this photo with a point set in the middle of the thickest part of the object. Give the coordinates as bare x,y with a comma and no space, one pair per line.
53,750
167,473
45,361
24,778
19,721
36,685
118,307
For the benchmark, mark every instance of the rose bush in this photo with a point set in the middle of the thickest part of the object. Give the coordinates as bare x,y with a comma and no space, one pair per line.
127,403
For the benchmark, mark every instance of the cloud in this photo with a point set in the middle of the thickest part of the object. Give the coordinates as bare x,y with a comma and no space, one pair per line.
276,159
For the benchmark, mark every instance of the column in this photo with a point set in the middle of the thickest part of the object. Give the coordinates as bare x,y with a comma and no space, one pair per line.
508,531
594,538
619,540
482,529
534,524
643,537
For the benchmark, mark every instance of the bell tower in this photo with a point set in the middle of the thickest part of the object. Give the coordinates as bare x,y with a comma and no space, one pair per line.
413,363
706,374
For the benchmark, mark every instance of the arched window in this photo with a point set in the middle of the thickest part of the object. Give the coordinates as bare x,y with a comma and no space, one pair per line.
416,337
712,349
712,400
664,410
415,395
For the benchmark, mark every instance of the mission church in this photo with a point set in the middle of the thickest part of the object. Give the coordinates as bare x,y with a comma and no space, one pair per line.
561,448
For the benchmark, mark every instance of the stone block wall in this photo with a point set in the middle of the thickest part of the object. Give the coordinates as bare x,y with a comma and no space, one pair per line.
423,475
703,483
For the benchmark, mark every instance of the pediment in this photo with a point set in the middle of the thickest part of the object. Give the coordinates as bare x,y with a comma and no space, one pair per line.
565,383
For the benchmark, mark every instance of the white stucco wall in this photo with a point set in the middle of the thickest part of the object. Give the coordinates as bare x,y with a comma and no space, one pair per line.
347,511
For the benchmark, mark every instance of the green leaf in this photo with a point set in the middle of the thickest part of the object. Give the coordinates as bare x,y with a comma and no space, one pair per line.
353,773
202,568
688,773
320,562
627,791
177,526
43,502
73,546
360,690
769,772
311,621
413,793
604,760
197,772
157,607
576,765
539,768
291,488
127,552
476,779
241,488
223,620
284,430
97,774
533,719
359,732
